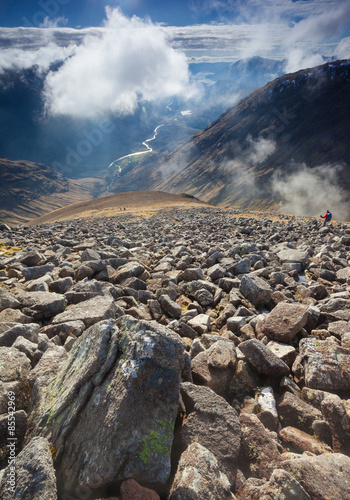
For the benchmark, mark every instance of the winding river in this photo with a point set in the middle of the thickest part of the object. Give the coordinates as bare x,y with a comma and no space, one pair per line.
145,143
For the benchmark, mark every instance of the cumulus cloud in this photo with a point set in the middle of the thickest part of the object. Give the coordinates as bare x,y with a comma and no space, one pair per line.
131,61
312,191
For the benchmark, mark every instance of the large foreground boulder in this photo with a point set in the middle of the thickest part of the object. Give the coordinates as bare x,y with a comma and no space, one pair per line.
111,409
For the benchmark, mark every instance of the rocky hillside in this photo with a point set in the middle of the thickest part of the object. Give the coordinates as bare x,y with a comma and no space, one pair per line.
199,353
28,190
300,118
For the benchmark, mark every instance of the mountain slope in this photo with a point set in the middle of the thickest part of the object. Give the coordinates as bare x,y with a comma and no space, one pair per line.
29,189
298,118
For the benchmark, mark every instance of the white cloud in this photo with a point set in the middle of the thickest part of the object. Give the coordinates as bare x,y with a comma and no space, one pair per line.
132,61
53,22
300,59
43,57
322,26
342,50
301,44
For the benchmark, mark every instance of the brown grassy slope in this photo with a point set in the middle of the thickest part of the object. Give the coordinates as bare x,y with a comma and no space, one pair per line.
140,203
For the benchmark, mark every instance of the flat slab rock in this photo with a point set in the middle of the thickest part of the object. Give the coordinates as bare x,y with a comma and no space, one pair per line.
281,485
291,255
89,312
42,305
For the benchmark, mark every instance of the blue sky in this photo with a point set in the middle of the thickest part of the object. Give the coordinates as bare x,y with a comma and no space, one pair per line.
84,13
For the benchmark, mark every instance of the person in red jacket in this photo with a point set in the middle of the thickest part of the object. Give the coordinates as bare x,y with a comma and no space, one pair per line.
326,217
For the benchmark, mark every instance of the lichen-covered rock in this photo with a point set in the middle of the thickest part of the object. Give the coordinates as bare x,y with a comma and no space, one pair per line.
323,476
126,377
34,474
259,452
199,476
326,365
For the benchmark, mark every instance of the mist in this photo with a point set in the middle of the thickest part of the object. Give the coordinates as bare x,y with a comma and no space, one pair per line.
312,191
240,168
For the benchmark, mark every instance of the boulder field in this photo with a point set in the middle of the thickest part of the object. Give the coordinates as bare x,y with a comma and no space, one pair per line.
197,354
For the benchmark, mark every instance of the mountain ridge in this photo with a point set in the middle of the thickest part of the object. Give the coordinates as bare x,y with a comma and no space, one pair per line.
303,117
30,189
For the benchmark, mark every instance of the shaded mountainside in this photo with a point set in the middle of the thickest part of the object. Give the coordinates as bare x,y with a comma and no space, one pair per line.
298,118
29,189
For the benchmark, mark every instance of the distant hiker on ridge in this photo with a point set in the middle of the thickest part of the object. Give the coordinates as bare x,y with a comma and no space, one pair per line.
327,217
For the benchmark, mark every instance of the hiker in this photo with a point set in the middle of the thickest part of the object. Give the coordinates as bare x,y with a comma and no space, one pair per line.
327,217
